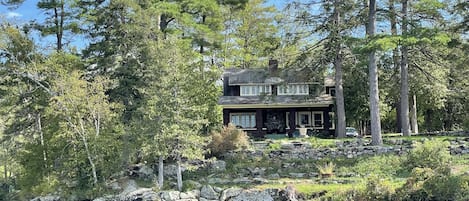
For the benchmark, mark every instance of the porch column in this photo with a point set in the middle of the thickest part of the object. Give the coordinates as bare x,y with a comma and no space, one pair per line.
291,122
327,122
226,117
259,122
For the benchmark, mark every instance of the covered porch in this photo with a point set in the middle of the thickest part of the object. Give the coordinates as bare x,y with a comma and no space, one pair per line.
261,122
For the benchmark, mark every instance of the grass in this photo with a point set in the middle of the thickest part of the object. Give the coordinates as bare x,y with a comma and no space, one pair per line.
308,188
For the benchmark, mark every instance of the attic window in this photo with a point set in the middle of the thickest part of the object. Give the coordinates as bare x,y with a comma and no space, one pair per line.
293,89
255,90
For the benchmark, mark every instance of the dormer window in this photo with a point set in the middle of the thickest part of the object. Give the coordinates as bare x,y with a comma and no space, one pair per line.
293,89
255,90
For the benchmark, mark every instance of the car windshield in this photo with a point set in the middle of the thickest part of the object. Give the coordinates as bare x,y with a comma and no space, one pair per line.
350,130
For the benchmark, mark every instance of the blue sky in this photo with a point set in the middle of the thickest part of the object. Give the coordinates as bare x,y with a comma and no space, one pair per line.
28,11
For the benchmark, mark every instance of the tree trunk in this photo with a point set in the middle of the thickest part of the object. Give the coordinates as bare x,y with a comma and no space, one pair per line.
160,172
339,90
88,154
179,174
404,76
373,73
395,58
413,120
41,136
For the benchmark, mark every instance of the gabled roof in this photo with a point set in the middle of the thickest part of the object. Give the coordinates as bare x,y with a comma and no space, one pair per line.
264,76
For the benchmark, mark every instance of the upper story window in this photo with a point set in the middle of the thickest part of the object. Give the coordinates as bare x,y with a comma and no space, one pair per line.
255,90
293,89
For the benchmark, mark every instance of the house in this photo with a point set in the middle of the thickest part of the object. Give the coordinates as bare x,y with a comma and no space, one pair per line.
274,101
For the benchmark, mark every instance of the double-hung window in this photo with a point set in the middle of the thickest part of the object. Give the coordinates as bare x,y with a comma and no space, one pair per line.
243,120
255,90
293,89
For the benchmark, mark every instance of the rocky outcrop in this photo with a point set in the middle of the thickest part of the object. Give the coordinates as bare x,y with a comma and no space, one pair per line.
206,193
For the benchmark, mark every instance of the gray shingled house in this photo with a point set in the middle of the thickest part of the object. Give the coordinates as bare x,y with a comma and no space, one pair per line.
275,101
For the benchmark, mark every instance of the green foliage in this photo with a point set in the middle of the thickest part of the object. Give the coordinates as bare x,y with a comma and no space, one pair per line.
277,145
430,184
384,165
376,188
228,139
431,154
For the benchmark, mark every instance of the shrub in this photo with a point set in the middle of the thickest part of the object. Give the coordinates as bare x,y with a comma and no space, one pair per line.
429,154
376,188
229,138
326,170
430,184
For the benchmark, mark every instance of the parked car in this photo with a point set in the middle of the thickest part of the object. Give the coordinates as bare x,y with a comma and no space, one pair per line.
351,132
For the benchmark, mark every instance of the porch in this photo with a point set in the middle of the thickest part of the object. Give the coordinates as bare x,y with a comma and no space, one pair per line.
260,122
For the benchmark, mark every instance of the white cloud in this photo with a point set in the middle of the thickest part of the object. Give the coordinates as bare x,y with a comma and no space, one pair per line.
13,15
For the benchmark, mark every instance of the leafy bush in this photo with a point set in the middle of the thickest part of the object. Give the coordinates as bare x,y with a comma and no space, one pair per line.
229,138
431,184
376,188
429,154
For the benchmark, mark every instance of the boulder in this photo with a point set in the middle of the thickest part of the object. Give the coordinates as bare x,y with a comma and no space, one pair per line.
170,195
229,193
208,192
142,194
253,195
194,194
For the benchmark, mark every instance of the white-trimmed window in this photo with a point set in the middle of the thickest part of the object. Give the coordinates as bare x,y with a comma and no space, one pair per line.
293,89
243,120
318,120
303,119
255,90
310,119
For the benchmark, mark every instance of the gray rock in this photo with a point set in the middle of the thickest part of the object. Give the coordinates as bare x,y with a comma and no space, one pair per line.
194,194
229,193
142,194
297,175
253,195
47,198
208,192
170,195
218,189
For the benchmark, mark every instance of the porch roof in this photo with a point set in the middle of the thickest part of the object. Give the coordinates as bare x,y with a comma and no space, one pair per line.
275,101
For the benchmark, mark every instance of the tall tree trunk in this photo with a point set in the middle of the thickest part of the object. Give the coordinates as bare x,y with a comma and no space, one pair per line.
373,73
179,174
404,75
413,119
339,90
395,59
41,136
160,172
59,15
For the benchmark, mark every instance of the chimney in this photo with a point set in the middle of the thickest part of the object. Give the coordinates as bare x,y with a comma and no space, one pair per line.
273,67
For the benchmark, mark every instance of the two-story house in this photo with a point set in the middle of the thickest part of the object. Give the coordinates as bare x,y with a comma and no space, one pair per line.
274,101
